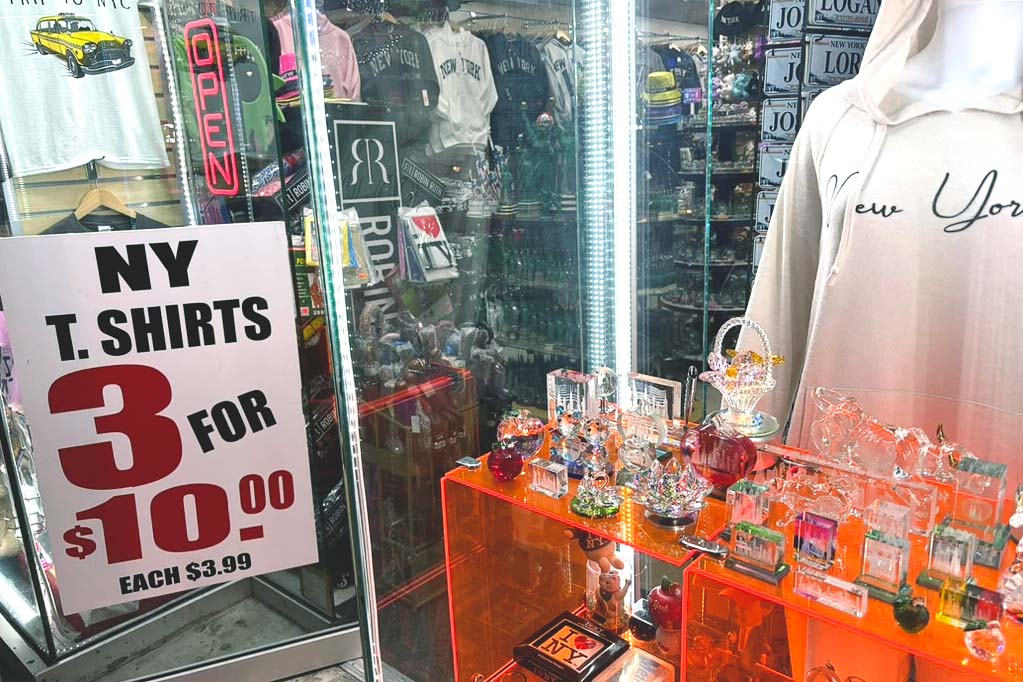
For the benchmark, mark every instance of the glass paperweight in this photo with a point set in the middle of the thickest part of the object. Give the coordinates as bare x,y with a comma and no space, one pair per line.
548,478
747,501
522,432
672,492
504,462
743,378
980,488
986,643
911,613
757,551
571,392
816,540
830,591
606,388
968,606
721,454
950,556
885,565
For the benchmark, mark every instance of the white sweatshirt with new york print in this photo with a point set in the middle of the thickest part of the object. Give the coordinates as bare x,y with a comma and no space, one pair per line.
893,264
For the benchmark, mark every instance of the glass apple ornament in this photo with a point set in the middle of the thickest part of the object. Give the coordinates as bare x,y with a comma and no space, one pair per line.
720,454
521,431
743,378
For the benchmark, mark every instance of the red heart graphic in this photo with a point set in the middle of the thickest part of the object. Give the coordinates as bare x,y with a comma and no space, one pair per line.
428,224
583,642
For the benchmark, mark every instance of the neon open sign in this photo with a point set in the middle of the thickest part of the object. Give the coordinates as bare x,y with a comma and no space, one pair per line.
212,110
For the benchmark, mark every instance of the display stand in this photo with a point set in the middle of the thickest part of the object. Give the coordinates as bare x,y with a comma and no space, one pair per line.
511,569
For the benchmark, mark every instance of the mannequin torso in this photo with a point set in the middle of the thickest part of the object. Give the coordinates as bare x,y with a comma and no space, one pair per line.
976,52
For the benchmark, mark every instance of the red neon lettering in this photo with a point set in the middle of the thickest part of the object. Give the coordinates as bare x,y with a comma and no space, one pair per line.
200,45
224,166
210,128
212,107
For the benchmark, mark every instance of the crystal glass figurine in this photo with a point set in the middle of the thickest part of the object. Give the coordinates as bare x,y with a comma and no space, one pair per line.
596,496
522,432
606,389
986,644
673,493
846,434
642,431
743,378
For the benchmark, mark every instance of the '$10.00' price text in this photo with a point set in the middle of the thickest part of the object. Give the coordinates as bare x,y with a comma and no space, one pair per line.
185,518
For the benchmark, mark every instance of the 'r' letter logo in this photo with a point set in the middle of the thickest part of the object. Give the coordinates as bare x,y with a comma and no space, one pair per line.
366,142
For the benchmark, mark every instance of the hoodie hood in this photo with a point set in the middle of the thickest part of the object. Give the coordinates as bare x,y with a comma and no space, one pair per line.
903,28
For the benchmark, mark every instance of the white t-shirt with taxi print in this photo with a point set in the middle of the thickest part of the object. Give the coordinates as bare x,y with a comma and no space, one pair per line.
76,87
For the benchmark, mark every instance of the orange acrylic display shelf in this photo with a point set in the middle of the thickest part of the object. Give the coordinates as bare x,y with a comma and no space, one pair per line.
940,644
511,565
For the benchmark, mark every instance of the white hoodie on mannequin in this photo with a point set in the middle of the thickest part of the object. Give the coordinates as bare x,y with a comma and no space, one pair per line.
893,269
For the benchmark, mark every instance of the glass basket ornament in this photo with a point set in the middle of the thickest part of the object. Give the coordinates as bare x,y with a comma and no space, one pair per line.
743,378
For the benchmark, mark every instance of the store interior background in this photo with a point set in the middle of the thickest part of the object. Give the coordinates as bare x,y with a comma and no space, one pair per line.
519,274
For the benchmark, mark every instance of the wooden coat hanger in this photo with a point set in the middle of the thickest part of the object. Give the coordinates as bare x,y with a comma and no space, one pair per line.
97,198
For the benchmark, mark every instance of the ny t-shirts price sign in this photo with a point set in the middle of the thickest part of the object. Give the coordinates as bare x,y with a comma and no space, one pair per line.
160,378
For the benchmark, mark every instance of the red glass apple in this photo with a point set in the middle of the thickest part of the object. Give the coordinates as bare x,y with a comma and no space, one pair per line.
665,605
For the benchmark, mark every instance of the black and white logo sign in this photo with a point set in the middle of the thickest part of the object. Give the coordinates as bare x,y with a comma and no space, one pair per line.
781,73
774,160
765,209
367,155
843,13
832,59
786,21
780,120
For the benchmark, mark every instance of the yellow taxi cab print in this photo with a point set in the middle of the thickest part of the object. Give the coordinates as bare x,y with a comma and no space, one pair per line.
84,49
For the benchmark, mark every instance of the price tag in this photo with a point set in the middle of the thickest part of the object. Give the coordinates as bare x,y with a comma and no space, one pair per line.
765,209
168,455
779,120
857,14
774,159
781,72
758,251
832,59
785,23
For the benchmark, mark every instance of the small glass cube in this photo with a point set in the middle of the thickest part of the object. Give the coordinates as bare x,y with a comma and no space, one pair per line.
888,518
980,488
747,501
816,540
548,478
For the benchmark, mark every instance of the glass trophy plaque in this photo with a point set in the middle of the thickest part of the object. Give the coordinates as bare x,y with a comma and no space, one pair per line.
889,518
816,540
758,552
747,501
831,591
968,606
885,565
950,556
980,488
571,392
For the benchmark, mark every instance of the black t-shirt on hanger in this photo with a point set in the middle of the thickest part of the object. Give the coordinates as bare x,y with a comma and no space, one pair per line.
99,222
519,76
397,72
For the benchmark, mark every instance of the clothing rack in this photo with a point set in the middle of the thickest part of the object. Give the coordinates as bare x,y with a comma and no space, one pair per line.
504,16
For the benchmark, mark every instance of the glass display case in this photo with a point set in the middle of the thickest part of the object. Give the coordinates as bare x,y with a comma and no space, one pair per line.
152,116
